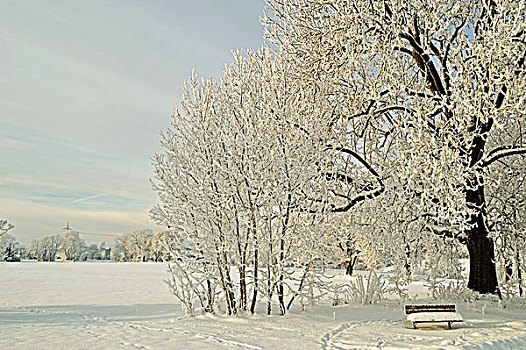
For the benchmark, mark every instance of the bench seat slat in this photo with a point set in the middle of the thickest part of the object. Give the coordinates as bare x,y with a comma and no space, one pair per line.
429,308
435,317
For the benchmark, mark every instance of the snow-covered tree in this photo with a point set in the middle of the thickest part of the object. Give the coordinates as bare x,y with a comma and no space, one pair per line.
6,240
73,245
134,246
91,252
417,88
139,242
9,248
5,226
45,248
158,251
51,245
34,251
244,169
121,251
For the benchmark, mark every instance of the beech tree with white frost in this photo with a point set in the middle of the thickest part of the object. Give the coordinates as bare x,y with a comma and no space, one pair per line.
417,88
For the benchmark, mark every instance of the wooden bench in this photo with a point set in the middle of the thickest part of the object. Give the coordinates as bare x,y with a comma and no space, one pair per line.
432,313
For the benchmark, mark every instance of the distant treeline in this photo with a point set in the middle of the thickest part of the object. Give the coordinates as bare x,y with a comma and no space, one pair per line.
138,246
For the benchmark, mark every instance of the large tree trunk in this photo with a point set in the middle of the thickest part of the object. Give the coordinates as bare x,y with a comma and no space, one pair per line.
482,271
350,264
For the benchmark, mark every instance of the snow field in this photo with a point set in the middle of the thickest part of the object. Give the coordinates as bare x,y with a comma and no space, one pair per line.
127,306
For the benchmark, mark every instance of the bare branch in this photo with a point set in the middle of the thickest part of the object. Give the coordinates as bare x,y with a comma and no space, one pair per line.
5,226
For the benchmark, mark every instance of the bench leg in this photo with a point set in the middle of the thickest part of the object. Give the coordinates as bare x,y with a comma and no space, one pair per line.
449,325
414,325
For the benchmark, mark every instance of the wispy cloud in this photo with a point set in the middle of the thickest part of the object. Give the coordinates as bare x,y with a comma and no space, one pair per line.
24,186
24,181
88,198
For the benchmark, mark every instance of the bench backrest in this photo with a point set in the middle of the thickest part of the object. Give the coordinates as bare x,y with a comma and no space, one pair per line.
429,308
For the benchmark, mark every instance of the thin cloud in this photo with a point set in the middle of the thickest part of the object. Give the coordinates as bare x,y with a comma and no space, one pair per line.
26,181
88,198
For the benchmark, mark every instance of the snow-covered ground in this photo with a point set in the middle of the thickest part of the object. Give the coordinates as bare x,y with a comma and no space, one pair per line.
127,306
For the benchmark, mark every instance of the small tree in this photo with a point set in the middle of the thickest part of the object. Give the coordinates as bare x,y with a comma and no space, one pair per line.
139,243
5,226
35,251
45,248
9,248
121,251
51,246
158,250
73,245
92,252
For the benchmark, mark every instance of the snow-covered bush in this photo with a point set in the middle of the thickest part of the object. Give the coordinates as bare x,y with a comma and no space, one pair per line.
190,285
369,290
450,290
398,285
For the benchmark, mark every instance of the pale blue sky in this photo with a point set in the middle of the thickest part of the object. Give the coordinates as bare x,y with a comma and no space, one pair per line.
85,89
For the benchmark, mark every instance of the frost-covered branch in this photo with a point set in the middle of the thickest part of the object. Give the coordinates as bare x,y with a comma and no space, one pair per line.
502,152
5,226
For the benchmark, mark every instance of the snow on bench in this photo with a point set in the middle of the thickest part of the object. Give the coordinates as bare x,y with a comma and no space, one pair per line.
426,313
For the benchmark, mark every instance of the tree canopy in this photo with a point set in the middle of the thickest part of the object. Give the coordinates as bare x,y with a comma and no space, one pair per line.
379,128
